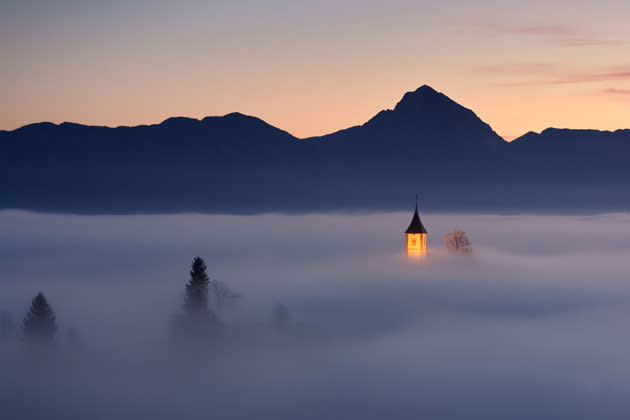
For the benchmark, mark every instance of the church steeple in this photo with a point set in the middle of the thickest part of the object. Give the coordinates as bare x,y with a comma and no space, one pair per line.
416,234
416,225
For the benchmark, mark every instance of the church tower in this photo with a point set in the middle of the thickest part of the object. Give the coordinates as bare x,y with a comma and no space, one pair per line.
416,235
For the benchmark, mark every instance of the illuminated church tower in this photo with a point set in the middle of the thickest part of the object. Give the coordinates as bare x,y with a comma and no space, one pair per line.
416,235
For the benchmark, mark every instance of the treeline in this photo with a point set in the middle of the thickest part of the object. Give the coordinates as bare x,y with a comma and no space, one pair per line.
199,319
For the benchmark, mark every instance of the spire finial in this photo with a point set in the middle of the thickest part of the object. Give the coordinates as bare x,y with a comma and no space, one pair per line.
416,201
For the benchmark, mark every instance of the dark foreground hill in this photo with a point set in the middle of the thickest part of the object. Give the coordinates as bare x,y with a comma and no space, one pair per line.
236,163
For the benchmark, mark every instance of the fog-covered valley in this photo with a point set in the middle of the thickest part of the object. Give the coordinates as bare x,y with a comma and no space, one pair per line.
531,324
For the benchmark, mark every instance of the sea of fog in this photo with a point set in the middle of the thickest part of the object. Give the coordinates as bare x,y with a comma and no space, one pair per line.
533,324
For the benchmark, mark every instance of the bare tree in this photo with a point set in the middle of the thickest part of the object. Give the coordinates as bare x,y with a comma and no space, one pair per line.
457,241
221,294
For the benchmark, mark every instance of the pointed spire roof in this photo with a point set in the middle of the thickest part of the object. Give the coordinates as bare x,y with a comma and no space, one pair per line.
416,225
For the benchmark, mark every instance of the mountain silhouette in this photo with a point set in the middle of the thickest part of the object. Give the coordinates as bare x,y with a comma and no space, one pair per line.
423,117
236,163
575,157
434,117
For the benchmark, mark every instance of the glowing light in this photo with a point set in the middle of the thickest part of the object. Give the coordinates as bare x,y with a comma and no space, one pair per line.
416,244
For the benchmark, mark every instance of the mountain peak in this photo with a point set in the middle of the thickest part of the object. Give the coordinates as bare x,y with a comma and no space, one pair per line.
425,98
432,116
426,89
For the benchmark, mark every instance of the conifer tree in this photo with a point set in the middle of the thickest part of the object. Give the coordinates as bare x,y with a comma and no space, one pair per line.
198,318
197,289
39,324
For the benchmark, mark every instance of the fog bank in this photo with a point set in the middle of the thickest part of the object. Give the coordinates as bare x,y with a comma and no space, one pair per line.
531,325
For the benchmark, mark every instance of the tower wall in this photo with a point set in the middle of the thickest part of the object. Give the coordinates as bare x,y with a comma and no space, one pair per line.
416,243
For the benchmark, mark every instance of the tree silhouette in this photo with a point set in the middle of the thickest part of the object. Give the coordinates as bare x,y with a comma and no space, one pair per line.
39,324
221,294
198,318
197,288
457,241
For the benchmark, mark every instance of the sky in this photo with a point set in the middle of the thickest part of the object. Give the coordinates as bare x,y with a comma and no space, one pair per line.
533,324
314,67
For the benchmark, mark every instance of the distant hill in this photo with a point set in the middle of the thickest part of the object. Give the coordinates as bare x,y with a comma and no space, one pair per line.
239,164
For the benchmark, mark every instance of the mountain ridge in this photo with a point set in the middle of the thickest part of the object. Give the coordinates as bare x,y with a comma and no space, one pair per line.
423,89
427,143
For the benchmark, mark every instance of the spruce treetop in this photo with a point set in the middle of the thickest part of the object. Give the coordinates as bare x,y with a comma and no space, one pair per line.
198,275
40,323
197,287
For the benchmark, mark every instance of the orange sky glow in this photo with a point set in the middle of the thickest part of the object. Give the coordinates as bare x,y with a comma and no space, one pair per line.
312,69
